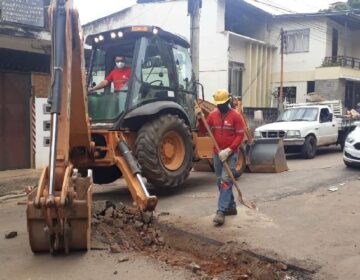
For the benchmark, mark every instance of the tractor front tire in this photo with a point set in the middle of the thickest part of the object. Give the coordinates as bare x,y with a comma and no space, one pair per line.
164,149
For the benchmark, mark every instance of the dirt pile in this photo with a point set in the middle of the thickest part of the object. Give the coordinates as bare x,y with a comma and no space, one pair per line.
124,228
118,228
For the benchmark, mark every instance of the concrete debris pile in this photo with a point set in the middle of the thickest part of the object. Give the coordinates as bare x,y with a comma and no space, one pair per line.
124,228
118,228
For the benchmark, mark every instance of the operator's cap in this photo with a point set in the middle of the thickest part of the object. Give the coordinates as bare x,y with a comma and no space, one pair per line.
221,96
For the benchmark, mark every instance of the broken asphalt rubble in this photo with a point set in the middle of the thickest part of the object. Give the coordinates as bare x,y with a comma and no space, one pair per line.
119,228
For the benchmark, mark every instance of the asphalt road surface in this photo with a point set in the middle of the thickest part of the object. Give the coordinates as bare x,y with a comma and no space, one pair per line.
298,221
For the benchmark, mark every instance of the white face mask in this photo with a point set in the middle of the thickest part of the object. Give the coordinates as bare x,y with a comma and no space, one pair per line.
120,64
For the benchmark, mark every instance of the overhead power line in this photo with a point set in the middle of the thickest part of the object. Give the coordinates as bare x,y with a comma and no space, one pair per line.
313,26
272,5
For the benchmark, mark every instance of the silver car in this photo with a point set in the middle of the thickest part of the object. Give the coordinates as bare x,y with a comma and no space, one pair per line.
351,154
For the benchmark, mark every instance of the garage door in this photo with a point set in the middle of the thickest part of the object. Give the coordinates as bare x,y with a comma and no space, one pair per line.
14,120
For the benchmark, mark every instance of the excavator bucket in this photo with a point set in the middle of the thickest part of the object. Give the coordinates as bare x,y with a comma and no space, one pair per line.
267,156
66,226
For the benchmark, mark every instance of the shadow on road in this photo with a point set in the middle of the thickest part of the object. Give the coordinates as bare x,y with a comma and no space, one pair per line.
320,152
118,190
195,182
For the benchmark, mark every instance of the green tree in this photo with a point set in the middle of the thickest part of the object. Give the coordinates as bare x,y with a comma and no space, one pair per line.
337,6
354,4
343,6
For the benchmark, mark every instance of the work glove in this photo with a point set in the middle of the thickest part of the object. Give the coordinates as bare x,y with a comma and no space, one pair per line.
224,154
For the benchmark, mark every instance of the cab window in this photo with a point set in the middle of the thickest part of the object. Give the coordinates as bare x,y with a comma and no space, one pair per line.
154,70
183,67
152,73
325,115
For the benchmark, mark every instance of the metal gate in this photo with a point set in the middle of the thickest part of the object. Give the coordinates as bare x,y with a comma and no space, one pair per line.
15,92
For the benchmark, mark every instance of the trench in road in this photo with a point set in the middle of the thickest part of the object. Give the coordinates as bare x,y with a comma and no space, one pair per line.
122,228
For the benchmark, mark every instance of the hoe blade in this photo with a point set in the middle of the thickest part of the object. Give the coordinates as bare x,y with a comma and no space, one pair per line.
267,156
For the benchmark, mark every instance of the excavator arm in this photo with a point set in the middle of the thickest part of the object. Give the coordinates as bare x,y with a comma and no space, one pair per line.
59,209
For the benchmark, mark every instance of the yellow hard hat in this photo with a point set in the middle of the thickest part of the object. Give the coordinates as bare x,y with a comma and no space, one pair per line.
221,96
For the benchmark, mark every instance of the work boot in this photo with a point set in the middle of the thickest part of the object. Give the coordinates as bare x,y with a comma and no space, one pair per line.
231,212
219,218
237,175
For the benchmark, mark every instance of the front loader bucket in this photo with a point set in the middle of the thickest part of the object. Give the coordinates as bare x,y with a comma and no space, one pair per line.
267,156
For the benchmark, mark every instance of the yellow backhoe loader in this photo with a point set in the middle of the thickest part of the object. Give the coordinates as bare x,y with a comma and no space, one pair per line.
147,128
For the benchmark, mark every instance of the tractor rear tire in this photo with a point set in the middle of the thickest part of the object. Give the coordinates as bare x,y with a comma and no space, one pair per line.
164,149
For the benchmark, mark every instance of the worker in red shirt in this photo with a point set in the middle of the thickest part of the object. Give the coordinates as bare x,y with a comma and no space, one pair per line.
119,76
228,128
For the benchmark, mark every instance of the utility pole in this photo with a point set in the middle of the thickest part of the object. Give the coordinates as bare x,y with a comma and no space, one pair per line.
194,12
281,93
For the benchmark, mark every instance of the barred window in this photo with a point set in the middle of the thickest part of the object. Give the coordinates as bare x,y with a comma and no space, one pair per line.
235,78
289,94
297,41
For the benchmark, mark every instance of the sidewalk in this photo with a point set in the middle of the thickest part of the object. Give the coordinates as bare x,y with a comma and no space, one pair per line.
16,180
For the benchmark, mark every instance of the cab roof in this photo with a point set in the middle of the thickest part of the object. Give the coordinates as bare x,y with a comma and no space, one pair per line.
132,33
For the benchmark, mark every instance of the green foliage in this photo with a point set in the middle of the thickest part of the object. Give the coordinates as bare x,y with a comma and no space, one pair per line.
340,6
331,64
337,6
343,6
354,4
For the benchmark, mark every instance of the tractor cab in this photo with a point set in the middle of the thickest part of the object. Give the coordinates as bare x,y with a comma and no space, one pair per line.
157,77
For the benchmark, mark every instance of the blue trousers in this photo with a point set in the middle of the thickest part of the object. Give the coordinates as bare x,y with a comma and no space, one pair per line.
224,182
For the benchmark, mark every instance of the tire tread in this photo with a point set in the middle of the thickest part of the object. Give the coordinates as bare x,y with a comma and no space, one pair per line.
148,156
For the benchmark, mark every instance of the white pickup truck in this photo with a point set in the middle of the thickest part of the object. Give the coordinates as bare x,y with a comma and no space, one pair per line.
306,127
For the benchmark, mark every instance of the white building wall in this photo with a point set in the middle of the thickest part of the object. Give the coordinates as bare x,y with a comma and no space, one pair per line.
172,16
341,42
306,61
213,48
299,67
237,49
341,33
42,136
355,43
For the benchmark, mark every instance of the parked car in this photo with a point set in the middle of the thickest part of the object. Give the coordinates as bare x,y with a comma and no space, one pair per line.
351,154
306,127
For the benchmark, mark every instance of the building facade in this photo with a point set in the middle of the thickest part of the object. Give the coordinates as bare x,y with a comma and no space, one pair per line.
233,49
322,55
240,49
24,76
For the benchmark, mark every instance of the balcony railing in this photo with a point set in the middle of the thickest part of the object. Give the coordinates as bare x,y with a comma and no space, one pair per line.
343,61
